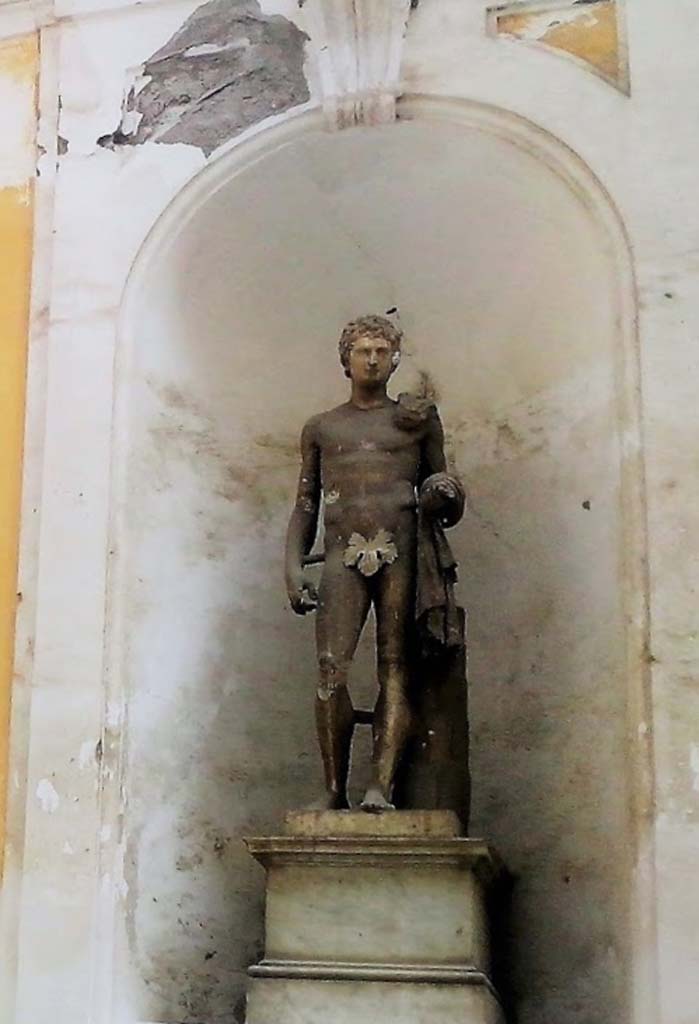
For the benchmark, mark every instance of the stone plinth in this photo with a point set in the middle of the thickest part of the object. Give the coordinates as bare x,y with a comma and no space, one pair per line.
304,1001
335,824
378,916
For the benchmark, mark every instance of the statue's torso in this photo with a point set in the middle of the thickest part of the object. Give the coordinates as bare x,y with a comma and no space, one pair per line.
369,471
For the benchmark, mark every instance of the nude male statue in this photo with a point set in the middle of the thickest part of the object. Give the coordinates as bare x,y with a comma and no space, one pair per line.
368,459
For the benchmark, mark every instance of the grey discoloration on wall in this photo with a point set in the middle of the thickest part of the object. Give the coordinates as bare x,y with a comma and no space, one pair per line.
228,67
195,897
258,489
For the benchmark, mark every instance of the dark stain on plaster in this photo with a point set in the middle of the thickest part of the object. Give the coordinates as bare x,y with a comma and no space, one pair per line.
215,904
512,444
228,67
286,447
258,483
426,386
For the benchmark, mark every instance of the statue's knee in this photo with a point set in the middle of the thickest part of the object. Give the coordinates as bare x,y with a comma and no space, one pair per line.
333,675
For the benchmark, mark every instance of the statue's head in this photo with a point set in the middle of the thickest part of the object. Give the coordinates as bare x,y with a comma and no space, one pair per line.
370,347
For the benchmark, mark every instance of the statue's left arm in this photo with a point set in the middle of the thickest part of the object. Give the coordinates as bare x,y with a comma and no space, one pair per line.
443,498
441,504
432,457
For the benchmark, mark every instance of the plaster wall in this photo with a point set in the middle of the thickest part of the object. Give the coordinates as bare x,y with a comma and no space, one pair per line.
96,205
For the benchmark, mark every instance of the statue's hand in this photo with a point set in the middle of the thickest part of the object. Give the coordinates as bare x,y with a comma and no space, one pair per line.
447,490
434,500
442,498
303,596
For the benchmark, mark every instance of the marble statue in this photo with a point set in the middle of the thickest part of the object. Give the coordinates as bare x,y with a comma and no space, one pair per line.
376,467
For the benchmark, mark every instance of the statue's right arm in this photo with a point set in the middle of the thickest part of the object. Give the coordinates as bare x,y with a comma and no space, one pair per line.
303,525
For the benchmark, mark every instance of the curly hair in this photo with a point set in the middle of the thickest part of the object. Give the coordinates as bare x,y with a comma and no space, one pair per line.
368,326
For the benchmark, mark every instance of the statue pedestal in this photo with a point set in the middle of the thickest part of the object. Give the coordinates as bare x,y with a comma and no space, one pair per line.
375,918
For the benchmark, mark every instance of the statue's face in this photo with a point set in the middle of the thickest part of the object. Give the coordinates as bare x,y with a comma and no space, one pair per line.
371,361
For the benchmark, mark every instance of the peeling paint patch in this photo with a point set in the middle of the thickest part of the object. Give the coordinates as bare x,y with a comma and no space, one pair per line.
86,755
228,67
113,716
587,30
694,765
47,796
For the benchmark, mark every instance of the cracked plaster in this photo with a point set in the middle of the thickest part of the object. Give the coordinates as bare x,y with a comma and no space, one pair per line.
228,67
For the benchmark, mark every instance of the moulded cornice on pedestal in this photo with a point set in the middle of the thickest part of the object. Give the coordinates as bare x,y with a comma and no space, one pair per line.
362,851
435,974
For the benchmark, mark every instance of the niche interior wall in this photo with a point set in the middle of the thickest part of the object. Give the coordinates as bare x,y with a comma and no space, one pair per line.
509,271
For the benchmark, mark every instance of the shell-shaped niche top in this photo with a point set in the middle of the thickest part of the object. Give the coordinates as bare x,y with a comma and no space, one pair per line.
590,32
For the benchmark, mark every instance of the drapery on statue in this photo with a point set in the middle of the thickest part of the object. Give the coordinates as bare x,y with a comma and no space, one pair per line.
380,468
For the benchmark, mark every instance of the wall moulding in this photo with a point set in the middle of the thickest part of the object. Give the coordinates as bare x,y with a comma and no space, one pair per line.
21,16
580,180
358,46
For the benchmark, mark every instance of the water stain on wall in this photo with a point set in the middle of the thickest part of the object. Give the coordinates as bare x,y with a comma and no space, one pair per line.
195,898
258,481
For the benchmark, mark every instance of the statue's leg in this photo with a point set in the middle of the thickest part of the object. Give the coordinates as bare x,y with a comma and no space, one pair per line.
342,610
394,603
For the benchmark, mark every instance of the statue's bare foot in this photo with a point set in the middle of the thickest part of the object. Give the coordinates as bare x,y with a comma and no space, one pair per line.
375,802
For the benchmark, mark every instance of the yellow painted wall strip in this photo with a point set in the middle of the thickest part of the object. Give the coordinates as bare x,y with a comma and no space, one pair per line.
19,63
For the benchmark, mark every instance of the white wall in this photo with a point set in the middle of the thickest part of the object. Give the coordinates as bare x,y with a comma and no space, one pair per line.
65,878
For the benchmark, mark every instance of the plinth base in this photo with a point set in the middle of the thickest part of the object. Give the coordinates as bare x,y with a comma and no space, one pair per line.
374,917
307,1001
339,824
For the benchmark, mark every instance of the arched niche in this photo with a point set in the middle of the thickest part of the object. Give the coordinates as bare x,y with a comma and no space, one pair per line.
513,282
